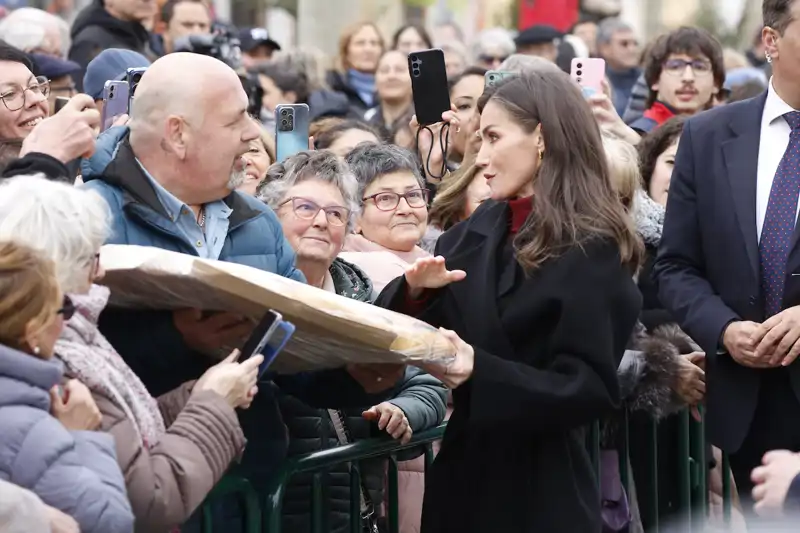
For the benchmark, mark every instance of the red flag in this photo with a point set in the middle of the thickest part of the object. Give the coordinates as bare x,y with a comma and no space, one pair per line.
561,14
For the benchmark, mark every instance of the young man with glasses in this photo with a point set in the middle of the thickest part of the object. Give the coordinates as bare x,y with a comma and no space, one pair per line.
684,70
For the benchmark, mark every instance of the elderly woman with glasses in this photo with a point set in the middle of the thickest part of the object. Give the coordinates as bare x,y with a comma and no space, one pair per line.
172,449
23,95
394,212
315,196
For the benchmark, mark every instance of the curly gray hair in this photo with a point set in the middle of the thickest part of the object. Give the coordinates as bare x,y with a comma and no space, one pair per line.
370,161
310,165
67,222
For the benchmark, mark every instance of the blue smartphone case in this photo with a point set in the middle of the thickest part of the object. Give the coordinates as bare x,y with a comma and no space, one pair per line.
275,344
291,130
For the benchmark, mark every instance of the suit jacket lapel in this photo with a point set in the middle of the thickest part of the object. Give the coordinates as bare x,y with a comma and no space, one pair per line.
740,154
477,294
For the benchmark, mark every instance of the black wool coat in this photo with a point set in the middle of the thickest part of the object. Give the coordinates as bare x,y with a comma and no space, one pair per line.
547,347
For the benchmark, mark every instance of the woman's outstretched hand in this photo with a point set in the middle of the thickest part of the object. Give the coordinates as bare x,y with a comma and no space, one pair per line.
456,371
430,273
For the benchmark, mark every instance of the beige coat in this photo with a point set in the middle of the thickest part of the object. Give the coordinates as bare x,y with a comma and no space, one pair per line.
168,481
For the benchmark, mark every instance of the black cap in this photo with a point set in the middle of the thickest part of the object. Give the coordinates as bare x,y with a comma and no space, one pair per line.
538,34
53,67
251,38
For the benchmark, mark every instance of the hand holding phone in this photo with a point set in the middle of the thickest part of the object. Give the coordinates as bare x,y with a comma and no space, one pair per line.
235,381
589,73
67,135
429,85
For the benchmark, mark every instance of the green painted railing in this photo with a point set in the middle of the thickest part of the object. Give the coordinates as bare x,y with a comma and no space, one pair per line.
690,447
318,462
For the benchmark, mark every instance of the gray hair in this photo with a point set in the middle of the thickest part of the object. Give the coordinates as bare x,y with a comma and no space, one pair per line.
306,166
494,38
370,161
526,64
69,223
608,27
26,29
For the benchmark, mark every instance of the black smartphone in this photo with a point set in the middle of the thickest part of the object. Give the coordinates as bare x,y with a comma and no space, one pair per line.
133,76
61,101
429,85
268,339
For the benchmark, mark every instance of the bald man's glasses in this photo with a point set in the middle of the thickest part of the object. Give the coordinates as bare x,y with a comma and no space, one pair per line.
14,96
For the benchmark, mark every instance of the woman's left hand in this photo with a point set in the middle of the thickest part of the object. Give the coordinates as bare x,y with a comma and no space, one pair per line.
456,371
391,419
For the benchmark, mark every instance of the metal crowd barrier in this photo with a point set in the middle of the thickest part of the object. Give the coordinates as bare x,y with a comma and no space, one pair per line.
264,515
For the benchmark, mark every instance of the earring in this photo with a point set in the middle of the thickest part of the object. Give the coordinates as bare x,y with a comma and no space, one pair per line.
36,350
541,155
769,57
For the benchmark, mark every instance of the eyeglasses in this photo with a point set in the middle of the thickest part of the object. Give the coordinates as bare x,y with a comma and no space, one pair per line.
628,43
67,309
308,210
487,58
388,201
676,67
14,96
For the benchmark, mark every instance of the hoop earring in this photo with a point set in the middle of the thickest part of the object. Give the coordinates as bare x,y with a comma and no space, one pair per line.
541,155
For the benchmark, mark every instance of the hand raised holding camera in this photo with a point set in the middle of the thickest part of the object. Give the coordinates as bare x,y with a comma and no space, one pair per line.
67,135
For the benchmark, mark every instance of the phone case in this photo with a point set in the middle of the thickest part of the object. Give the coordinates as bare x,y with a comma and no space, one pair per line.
115,102
429,85
589,73
263,340
132,77
494,77
291,130
275,343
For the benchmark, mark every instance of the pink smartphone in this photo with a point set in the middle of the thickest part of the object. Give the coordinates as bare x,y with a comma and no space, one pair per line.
589,73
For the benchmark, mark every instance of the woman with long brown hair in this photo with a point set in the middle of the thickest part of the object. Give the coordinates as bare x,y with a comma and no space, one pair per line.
535,291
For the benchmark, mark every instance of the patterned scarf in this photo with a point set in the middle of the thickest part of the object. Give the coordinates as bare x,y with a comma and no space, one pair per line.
91,358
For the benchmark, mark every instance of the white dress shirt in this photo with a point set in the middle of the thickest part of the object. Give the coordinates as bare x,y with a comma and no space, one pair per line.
775,133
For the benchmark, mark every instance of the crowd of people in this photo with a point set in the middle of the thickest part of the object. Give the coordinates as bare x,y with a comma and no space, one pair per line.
587,255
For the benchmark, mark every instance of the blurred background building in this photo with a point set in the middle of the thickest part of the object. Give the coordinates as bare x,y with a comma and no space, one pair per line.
320,22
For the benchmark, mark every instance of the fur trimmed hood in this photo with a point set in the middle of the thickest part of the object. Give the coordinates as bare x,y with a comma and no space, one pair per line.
649,370
649,218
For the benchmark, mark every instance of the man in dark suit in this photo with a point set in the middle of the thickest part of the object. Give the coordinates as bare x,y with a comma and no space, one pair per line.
729,263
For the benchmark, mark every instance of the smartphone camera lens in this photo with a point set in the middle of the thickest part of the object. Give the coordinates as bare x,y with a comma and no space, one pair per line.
580,65
414,59
579,73
284,112
416,72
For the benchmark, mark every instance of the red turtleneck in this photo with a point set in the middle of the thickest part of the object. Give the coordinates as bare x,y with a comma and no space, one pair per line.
520,209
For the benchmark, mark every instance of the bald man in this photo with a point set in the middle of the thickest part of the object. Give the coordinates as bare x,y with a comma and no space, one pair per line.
170,179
